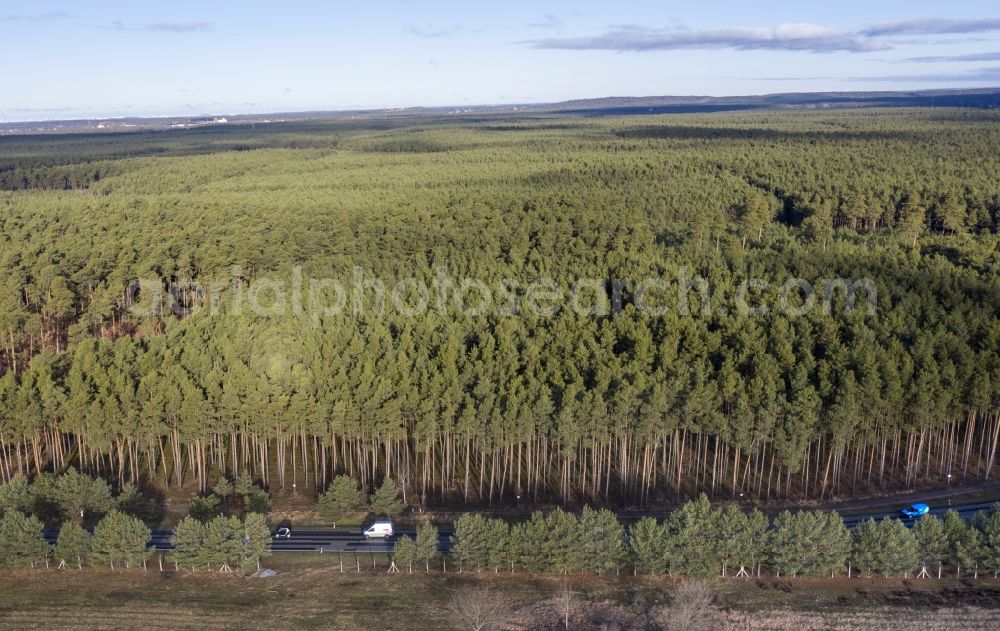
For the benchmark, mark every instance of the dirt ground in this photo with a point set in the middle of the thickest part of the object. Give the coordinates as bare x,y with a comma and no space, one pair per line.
311,596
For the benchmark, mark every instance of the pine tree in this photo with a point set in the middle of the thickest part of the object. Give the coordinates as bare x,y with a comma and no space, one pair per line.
561,549
204,509
647,546
224,488
45,503
603,545
867,544
819,224
470,543
72,544
691,539
952,213
119,538
404,552
16,495
519,549
385,500
530,544
222,543
255,542
955,534
899,553
244,484
731,528
77,493
834,544
497,537
342,499
21,541
784,555
755,212
989,525
753,548
912,222
427,545
188,542
809,543
886,547
932,542
257,501
129,500
971,551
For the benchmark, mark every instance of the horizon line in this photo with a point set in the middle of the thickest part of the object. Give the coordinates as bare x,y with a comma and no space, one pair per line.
513,104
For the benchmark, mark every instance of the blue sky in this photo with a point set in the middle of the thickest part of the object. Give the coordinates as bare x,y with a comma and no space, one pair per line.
96,59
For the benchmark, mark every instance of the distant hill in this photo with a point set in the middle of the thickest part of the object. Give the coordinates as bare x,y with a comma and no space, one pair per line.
616,106
607,106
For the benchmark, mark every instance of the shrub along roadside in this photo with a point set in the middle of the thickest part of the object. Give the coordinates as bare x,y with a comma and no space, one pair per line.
696,540
702,541
224,543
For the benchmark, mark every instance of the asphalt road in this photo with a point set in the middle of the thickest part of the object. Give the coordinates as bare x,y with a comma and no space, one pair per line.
966,511
304,540
351,539
345,540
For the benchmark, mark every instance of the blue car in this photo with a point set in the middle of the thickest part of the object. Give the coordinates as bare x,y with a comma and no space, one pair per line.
914,510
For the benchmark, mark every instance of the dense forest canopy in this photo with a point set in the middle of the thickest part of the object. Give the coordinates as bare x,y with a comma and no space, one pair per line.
623,406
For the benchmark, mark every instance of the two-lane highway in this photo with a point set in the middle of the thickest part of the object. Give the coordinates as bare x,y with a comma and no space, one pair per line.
352,539
345,540
965,511
303,540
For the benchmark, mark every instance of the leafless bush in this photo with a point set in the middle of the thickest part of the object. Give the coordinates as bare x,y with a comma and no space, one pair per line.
564,602
691,609
479,608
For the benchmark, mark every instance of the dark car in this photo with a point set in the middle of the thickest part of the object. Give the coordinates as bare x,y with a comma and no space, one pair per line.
283,533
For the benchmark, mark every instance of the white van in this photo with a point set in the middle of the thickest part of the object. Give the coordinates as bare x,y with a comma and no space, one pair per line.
379,530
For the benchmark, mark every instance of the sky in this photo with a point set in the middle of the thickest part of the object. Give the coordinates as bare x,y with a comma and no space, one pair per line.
85,59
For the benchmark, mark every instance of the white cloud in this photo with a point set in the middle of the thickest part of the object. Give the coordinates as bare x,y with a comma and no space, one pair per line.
932,26
791,36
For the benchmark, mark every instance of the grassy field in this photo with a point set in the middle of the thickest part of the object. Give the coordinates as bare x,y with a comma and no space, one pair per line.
312,594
